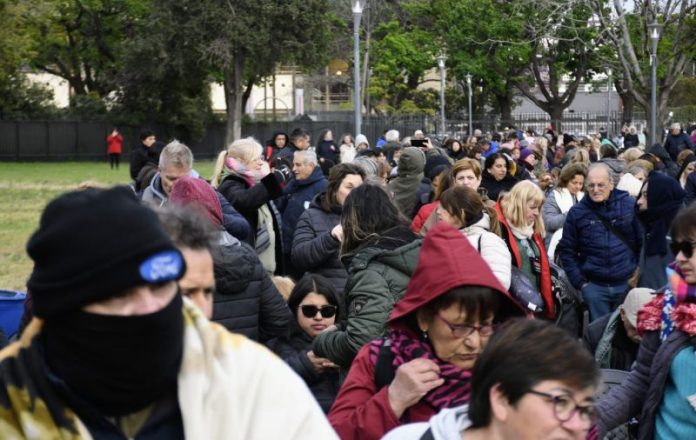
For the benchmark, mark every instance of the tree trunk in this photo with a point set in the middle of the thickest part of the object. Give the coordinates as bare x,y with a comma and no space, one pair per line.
505,104
628,103
233,98
555,110
366,69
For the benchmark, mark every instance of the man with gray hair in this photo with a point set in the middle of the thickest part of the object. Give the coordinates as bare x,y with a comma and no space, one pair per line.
677,141
309,181
601,242
175,162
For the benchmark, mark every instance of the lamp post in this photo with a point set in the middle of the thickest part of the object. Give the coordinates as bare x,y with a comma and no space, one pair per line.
441,64
655,37
468,85
357,14
609,72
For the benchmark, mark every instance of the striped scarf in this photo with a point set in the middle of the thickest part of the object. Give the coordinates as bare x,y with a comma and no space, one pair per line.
405,346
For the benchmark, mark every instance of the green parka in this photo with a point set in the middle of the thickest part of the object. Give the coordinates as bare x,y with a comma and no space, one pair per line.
378,274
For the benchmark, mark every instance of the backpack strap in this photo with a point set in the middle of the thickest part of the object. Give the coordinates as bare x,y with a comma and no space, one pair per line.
384,368
478,244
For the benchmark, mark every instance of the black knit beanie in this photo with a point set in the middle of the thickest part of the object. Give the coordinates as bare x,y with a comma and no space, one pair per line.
95,244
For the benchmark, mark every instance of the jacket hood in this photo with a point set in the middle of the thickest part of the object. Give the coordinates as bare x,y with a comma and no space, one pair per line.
392,248
234,268
412,161
659,151
616,165
446,261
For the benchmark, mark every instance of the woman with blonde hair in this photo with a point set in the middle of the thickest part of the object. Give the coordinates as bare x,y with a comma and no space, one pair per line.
243,177
462,208
519,212
559,201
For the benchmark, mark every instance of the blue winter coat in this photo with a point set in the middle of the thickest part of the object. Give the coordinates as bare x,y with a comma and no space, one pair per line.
298,196
676,144
589,251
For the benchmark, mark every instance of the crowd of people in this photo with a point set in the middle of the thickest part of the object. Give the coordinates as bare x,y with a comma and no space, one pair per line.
403,289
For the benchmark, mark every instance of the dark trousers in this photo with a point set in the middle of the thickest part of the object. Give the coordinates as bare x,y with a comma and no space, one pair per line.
114,159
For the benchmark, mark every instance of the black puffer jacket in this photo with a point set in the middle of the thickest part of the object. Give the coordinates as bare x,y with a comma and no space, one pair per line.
314,249
293,350
495,187
248,199
245,300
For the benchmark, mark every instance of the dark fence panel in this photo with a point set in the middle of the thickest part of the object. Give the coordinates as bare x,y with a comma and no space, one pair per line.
86,140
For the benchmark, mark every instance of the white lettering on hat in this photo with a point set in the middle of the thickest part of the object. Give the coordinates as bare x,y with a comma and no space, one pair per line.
164,266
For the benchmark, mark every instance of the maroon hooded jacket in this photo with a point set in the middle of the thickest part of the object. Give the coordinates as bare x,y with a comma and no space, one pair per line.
446,261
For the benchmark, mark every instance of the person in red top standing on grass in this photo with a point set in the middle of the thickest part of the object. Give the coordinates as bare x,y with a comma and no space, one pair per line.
114,148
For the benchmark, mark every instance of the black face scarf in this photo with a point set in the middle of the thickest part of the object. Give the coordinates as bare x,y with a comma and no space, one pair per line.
119,364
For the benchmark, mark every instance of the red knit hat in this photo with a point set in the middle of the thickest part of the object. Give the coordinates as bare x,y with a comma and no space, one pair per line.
194,191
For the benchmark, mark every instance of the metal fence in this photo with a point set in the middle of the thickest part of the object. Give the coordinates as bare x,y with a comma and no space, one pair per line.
86,140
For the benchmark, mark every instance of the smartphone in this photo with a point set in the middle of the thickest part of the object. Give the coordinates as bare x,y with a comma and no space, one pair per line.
418,142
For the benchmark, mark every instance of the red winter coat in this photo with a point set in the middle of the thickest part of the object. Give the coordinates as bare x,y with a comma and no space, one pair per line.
446,261
423,214
114,144
545,286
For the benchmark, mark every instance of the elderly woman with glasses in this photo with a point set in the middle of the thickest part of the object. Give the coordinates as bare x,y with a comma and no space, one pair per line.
533,381
660,388
437,331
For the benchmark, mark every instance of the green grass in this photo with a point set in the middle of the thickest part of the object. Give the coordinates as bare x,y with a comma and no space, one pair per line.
26,188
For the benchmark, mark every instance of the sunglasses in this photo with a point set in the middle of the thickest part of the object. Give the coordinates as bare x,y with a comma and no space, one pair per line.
685,247
310,311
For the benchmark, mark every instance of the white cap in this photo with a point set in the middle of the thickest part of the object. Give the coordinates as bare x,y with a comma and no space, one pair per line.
361,139
635,300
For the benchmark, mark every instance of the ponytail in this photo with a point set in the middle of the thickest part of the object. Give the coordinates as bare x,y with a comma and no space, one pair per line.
493,216
217,172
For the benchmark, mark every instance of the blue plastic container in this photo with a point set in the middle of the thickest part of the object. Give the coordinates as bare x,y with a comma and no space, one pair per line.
11,309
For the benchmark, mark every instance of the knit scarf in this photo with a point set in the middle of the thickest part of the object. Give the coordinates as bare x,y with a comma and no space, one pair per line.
524,233
405,346
674,309
249,176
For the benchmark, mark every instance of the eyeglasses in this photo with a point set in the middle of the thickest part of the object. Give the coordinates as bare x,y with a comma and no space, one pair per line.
599,186
310,311
564,406
685,247
464,330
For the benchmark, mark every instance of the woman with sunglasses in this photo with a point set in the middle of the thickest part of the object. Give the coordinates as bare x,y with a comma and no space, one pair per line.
314,304
436,333
532,381
660,389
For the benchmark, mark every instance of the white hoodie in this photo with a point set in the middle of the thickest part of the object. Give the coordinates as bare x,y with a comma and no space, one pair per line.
448,424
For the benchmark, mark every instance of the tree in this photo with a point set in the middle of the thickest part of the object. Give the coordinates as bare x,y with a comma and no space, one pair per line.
245,40
627,33
18,98
82,41
560,57
483,38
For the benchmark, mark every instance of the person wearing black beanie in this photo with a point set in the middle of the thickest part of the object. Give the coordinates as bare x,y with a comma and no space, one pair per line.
115,352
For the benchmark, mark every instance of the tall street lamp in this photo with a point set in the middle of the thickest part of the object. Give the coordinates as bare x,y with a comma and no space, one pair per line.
357,14
468,85
609,72
441,64
655,37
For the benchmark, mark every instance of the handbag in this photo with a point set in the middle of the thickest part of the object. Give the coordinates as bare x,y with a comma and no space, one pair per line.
569,304
524,292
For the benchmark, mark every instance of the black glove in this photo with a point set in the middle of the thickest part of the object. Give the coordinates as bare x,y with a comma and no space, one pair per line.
283,174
